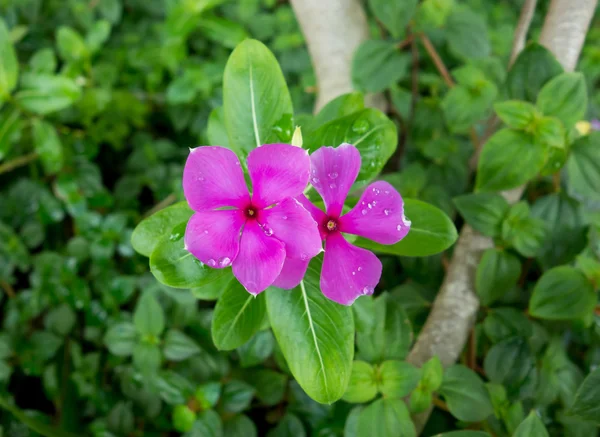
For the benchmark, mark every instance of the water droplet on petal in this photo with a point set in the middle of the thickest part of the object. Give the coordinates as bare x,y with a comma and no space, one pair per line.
333,174
406,221
359,269
367,290
200,178
224,262
386,211
267,230
387,191
353,273
364,212
206,231
399,228
374,202
332,186
315,181
370,206
303,256
284,217
211,262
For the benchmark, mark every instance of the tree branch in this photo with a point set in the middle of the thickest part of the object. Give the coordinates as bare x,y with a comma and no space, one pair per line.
455,308
333,30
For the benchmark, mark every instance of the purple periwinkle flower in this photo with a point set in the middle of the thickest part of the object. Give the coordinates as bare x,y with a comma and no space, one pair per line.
348,271
253,234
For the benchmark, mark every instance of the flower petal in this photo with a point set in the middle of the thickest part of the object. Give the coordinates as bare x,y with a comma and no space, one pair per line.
290,223
214,236
213,178
291,274
277,171
378,215
348,271
318,216
260,259
333,171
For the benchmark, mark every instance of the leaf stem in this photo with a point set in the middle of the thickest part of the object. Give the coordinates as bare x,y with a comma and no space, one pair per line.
18,162
437,60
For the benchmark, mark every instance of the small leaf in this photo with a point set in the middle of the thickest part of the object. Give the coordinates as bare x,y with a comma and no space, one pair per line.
461,26
420,399
270,385
363,383
149,318
257,105
238,316
258,349
532,426
377,65
433,374
236,396
526,234
431,232
315,335
583,167
71,46
510,362
386,418
148,233
147,358
562,293
43,93
465,394
178,346
498,170
120,339
394,15
48,146
398,378
9,64
11,125
587,399
497,273
483,211
516,114
504,323
564,97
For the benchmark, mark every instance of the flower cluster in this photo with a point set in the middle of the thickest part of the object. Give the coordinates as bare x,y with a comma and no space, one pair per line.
268,237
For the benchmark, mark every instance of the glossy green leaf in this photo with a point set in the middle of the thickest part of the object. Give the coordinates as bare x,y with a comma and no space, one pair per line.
216,131
377,65
497,273
523,232
341,106
398,378
258,349
149,317
564,97
178,347
174,266
148,233
483,211
120,339
516,114
237,317
48,146
256,102
236,396
532,69
288,426
583,167
363,383
9,64
431,232
532,426
209,424
222,31
562,293
465,394
503,323
212,290
587,399
386,418
498,170
71,46
432,374
43,93
394,15
316,336
373,134
461,26
511,363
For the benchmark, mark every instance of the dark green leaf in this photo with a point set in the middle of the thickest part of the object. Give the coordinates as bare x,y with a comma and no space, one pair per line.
483,211
258,349
398,378
31,423
288,426
583,167
48,146
270,385
503,323
149,317
510,362
461,26
240,426
386,418
394,15
236,396
465,394
377,65
526,234
587,399
178,346
532,426
564,97
44,93
497,273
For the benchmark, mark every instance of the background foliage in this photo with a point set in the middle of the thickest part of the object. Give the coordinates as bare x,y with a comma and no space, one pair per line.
99,101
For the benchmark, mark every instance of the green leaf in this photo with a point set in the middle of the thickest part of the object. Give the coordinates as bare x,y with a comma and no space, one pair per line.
587,398
562,293
208,425
174,266
240,426
398,378
394,15
504,323
183,418
526,234
148,233
43,93
386,418
391,335
270,385
208,394
222,31
377,65
216,131
532,426
510,362
256,102
461,26
431,232
149,318
237,396
516,114
465,394
464,434
420,399
583,167
532,69
147,358
48,146
97,35
213,290
258,349
484,212
316,336
43,61
498,170
9,64
564,97
363,383
341,106
373,134
432,374
237,317
178,346
288,426
31,423
71,46
497,273
10,129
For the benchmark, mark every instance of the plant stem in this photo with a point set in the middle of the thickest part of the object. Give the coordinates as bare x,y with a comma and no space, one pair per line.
435,57
18,162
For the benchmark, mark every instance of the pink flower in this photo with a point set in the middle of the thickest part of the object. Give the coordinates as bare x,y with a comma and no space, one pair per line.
348,271
254,234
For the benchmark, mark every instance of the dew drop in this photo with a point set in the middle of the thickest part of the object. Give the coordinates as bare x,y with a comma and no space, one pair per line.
211,262
374,202
387,191
315,181
200,178
332,186
360,126
370,206
284,217
353,273
367,290
224,262
333,175
267,230
364,212
359,269
303,256
206,231
386,211
398,228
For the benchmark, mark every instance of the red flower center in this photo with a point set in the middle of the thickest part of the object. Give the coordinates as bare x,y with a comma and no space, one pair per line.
250,212
330,225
